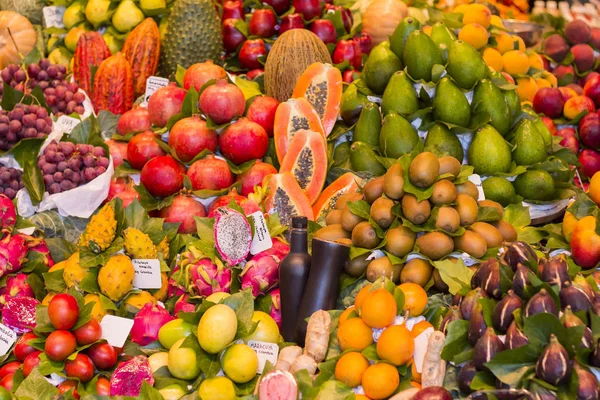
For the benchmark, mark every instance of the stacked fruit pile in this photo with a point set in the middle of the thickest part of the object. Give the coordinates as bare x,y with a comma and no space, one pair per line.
11,180
506,9
23,122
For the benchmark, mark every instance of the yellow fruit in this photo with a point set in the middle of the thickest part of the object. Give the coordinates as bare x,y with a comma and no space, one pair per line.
163,247
526,88
217,297
73,273
552,79
350,368
504,42
267,329
474,34
115,279
101,230
139,300
240,363
360,297
515,62
161,294
72,37
535,61
427,30
379,309
396,345
479,14
380,381
415,298
139,245
217,328
346,314
542,83
520,42
594,190
497,21
493,58
158,360
354,334
569,223
58,266
48,297
219,388
98,312
460,8
183,361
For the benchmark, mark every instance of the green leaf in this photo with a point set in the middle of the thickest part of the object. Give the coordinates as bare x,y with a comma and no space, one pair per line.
240,169
360,208
483,381
35,386
85,314
249,88
55,281
147,392
531,235
87,258
89,283
456,275
488,214
243,305
25,153
205,228
10,97
370,353
510,366
42,319
107,122
539,327
179,75
456,340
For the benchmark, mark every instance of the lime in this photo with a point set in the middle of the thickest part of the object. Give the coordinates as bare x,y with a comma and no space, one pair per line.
499,190
535,185
174,330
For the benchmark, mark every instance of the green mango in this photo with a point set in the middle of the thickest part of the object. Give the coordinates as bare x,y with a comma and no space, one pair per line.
488,98
450,104
399,95
441,34
398,39
368,126
380,67
341,154
545,132
441,141
352,103
513,102
363,158
529,144
535,185
397,136
465,65
489,153
421,54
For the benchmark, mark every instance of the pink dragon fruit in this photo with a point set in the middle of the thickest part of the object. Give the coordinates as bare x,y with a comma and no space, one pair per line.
16,286
183,305
261,273
43,249
233,235
13,252
8,213
19,314
208,278
147,323
276,306
127,378
177,285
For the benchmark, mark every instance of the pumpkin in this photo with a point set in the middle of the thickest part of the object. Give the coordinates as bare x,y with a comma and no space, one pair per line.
23,37
290,55
380,29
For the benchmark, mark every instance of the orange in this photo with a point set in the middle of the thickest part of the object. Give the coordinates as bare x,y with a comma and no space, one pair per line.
361,397
535,61
594,190
460,8
395,345
355,334
380,381
542,83
493,58
497,21
520,42
419,328
379,309
350,368
526,89
415,384
477,13
504,42
515,62
344,316
474,34
360,297
416,376
415,298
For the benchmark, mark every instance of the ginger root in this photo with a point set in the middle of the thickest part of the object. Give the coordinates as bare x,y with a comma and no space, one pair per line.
304,362
287,356
317,335
405,394
434,368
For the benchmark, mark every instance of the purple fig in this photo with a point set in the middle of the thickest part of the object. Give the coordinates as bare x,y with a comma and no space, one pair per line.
516,253
514,337
596,305
487,277
540,302
453,314
486,348
432,393
574,296
570,320
476,325
503,316
465,377
585,285
555,271
595,356
520,279
587,389
554,365
457,299
470,301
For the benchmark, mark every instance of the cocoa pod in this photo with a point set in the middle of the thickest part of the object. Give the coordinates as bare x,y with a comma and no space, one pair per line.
555,271
539,303
503,316
90,52
574,296
554,365
514,337
486,348
113,85
469,302
142,51
516,253
476,325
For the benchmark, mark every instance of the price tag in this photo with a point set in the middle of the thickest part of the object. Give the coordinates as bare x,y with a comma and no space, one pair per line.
265,352
115,329
476,180
7,338
262,239
53,16
66,123
147,274
154,83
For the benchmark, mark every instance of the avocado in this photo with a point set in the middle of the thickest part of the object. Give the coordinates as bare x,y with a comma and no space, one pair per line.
399,96
450,104
489,153
465,65
441,141
421,54
397,136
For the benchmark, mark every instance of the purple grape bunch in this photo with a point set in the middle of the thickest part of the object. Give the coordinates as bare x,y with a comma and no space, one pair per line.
66,165
10,181
23,122
61,95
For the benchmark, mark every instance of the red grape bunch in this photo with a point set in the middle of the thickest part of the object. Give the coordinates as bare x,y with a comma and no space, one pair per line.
66,165
23,122
10,181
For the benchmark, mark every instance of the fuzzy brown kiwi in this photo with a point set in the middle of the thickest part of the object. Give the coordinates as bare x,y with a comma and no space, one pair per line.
332,233
343,200
381,212
468,188
373,189
424,169
438,282
471,243
400,241
364,235
435,245
449,165
349,220
508,232
417,271
491,235
447,219
396,270
393,182
334,217
379,267
444,192
357,266
416,212
467,209
490,203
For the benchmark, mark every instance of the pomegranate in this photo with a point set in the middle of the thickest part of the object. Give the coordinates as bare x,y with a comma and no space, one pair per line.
248,206
280,6
250,52
325,30
183,209
128,196
232,37
119,185
254,176
164,103
233,9
310,9
365,42
292,21
243,141
262,111
210,173
162,176
263,23
190,136
142,148
254,73
198,74
347,18
348,50
348,75
134,120
222,102
118,151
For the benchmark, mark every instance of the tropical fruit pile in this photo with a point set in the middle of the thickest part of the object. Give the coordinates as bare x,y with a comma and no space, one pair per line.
507,9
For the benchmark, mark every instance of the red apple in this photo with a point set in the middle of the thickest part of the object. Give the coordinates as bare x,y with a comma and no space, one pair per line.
347,18
250,52
232,37
348,50
254,73
233,9
280,6
348,75
263,23
325,30
164,103
291,21
365,43
310,9
133,121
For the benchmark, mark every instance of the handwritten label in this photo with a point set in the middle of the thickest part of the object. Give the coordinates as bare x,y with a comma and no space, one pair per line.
7,338
476,180
66,123
53,16
262,239
115,329
147,274
154,83
265,352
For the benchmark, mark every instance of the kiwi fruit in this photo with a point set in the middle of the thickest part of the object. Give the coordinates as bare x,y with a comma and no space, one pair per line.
344,241
357,266
444,192
508,232
381,212
417,271
379,267
449,165
491,235
364,235
447,219
334,217
435,245
471,243
349,220
399,241
332,233
438,282
424,169
490,203
467,209
393,182
396,270
416,212
468,188
343,200
373,189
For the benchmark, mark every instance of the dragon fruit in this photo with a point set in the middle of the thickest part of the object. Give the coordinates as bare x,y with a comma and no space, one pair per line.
208,278
19,314
275,312
261,273
43,249
13,252
177,285
233,235
147,323
248,206
183,305
127,378
16,286
8,213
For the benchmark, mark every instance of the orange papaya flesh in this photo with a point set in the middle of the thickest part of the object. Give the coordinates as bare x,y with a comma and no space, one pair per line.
347,183
285,197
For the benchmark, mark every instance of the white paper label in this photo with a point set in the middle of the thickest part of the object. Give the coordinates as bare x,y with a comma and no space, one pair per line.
115,329
476,180
53,16
421,343
262,239
154,83
66,123
7,338
147,274
265,352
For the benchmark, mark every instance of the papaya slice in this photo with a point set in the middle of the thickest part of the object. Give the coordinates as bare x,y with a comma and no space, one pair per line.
347,183
305,159
290,117
285,197
321,84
